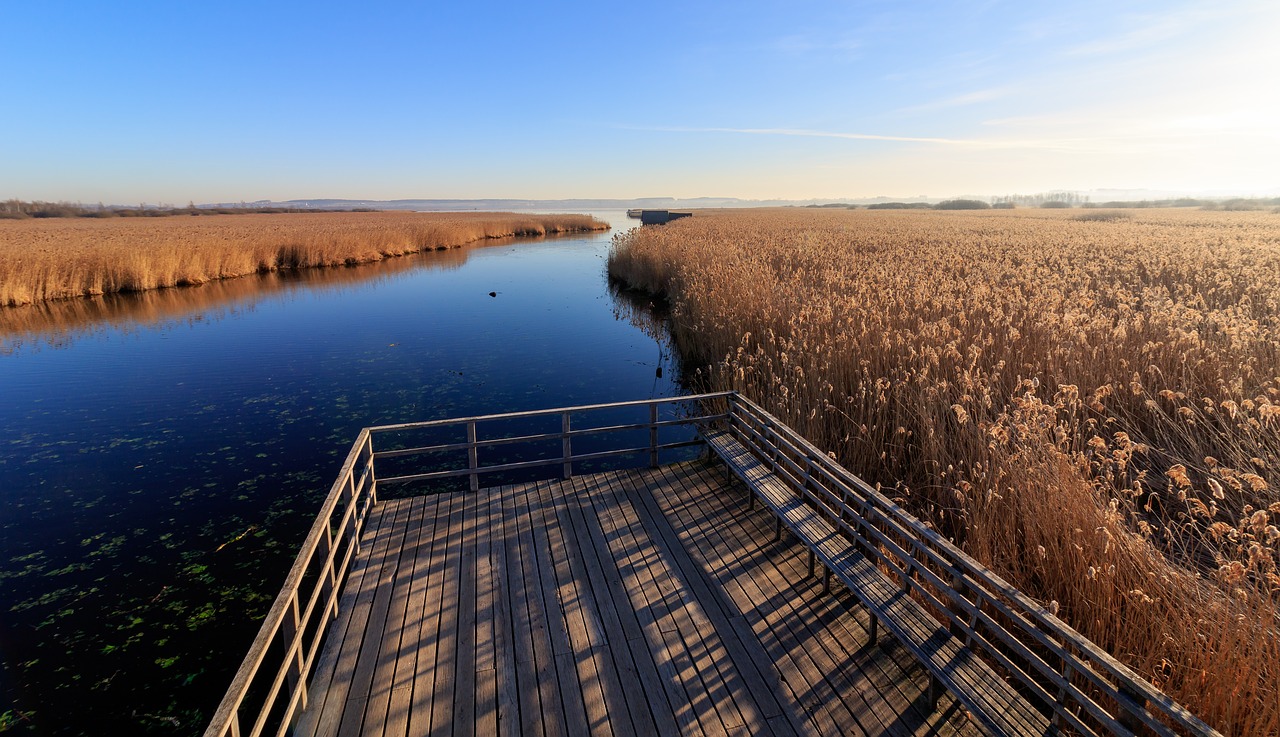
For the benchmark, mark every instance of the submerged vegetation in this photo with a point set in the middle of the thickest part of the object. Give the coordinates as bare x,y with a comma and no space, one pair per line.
1089,406
45,259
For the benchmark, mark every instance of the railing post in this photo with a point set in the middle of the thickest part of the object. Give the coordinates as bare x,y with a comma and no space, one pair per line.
373,479
473,456
767,440
353,529
958,588
1127,717
566,445
291,629
328,576
653,435
1067,673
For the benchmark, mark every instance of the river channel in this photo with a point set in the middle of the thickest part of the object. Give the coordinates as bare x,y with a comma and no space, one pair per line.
162,455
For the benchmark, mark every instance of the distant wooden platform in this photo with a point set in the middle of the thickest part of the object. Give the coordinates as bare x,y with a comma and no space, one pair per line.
633,603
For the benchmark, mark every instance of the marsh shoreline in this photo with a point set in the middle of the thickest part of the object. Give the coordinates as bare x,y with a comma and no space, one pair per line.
45,260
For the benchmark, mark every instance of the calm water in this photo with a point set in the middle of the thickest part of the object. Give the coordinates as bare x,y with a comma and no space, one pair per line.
162,456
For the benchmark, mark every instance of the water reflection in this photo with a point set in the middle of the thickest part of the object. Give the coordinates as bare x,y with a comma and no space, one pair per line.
60,322
642,312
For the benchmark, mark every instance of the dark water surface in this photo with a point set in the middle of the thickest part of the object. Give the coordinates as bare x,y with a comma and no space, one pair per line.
162,456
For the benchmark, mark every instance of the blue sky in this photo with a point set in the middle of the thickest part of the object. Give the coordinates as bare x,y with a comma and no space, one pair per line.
169,102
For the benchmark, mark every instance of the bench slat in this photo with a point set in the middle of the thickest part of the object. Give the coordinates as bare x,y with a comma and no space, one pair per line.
991,699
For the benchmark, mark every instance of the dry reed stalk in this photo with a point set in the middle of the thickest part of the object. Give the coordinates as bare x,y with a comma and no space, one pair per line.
1091,408
56,259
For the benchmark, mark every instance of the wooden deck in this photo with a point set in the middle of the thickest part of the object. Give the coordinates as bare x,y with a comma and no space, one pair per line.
634,603
654,602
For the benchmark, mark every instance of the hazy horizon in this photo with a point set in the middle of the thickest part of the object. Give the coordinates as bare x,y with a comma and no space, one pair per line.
160,103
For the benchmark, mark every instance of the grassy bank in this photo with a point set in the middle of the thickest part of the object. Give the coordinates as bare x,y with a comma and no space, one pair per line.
45,259
1092,408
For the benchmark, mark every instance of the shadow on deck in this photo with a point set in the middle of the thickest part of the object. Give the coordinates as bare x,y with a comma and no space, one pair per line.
632,602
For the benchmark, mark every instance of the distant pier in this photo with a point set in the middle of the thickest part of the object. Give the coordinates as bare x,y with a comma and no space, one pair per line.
656,217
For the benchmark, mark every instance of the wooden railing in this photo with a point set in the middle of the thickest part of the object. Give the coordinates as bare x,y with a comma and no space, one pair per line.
269,690
565,436
293,631
1084,689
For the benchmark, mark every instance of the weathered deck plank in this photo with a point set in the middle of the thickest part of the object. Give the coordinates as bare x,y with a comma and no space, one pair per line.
631,602
651,713
423,694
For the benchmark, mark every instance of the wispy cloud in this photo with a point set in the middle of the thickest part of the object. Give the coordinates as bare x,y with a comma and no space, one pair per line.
1147,33
1135,139
968,98
802,132
1072,144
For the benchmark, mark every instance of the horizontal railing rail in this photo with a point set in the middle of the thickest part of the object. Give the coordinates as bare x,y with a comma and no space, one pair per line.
270,688
1084,688
566,435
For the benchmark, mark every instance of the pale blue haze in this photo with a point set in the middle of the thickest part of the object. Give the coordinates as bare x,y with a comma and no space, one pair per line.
170,102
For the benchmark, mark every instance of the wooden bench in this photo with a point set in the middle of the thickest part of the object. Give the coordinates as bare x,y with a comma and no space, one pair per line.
996,704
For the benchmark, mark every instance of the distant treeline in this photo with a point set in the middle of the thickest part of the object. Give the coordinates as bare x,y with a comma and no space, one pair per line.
1042,199
1073,199
21,210
1061,200
1240,203
944,205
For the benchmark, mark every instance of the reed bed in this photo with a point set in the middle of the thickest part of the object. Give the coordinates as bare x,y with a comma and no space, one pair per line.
46,259
58,322
1089,407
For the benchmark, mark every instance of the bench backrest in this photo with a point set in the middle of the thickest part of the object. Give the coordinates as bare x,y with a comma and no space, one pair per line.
1086,689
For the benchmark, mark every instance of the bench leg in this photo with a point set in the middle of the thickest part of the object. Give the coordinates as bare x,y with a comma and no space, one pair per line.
811,560
875,628
751,500
777,528
935,692
826,580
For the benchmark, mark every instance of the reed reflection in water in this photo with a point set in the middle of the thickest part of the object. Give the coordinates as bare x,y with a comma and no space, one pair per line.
58,323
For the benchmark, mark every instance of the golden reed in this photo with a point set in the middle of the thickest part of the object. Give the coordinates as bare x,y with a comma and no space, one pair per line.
1089,407
44,259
